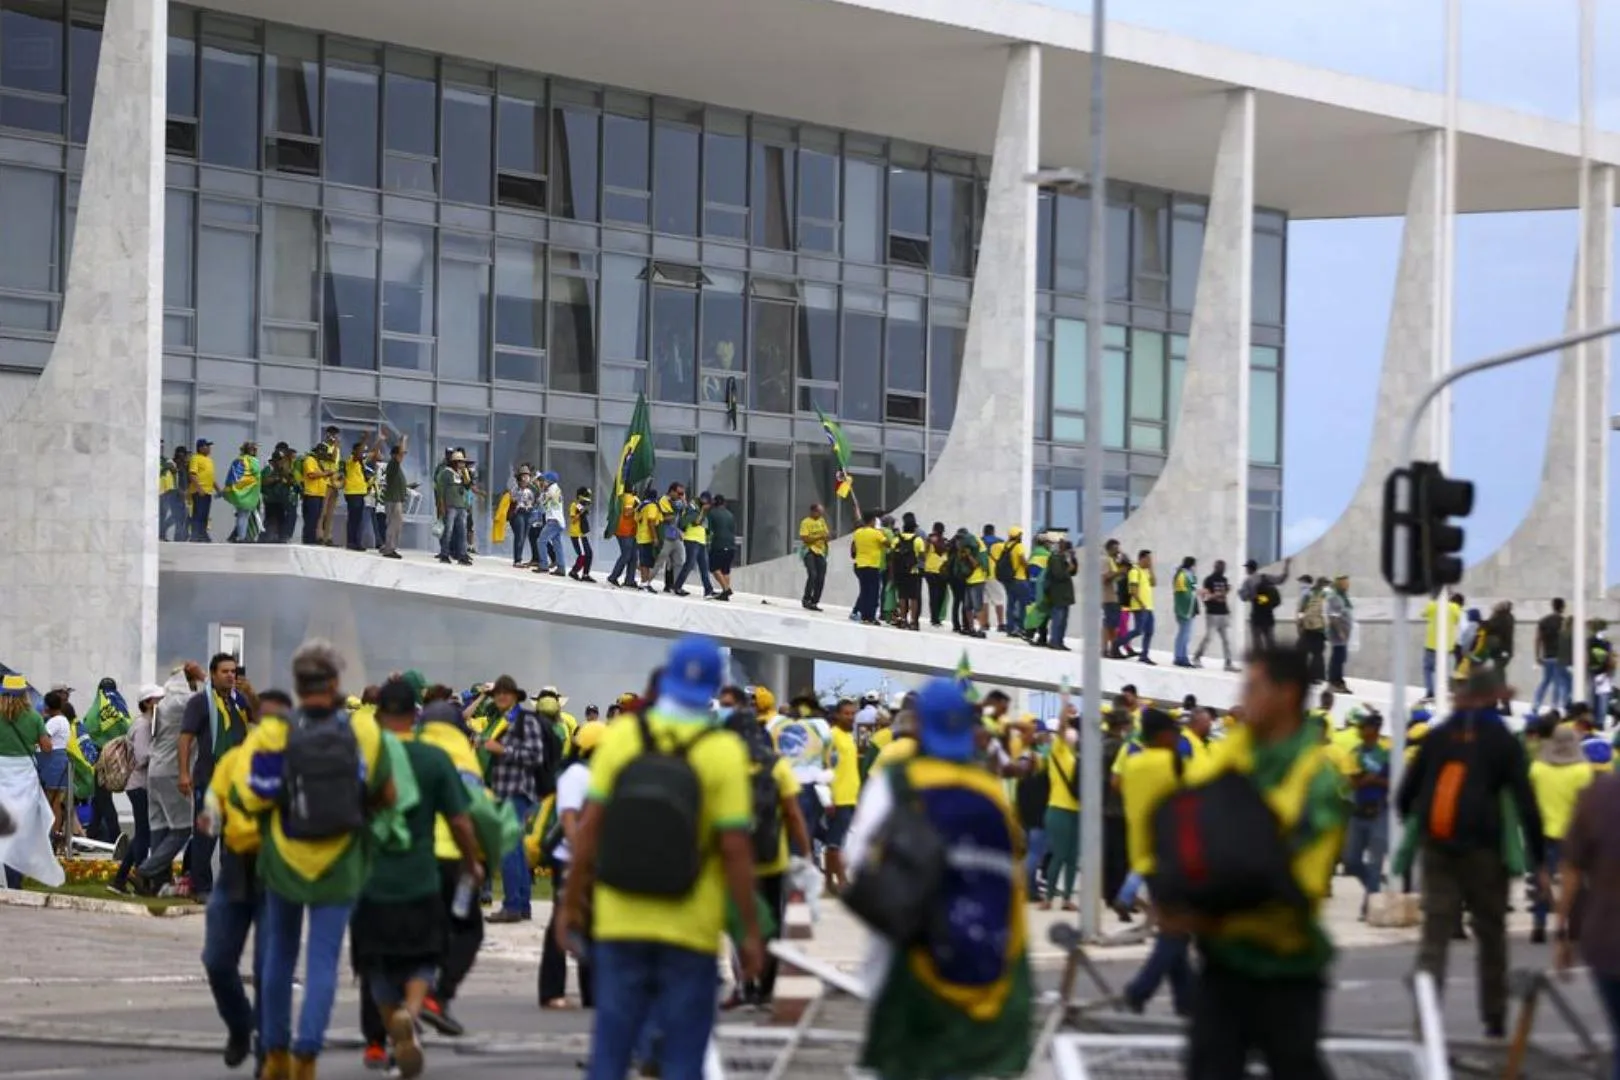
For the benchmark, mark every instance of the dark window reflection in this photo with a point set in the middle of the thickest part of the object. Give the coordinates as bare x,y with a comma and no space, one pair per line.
182,77
769,507
818,201
464,320
573,163
573,334
902,476
85,45
908,201
773,196
674,332
944,372
349,321
1268,278
230,107
624,308
351,123
953,225
31,34
1073,237
675,180
907,345
1186,255
863,366
723,356
520,307
412,115
624,169
1045,211
468,144
177,252
293,95
771,336
30,218
523,135
226,287
725,185
1119,252
818,335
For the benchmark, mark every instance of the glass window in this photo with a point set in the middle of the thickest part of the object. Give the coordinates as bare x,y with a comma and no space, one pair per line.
520,299
226,287
723,356
352,102
769,508
1045,211
1178,375
675,179
230,107
907,344
1264,413
773,196
624,308
1268,278
862,377
1147,375
945,353
84,44
725,185
818,201
468,144
517,440
818,334
291,279
182,71
464,307
902,476
1069,365
1119,252
413,124
349,318
1073,238
1186,253
573,163
1150,246
813,468
292,86
573,334
32,57
674,331
624,169
30,223
523,133
1113,403
720,465
772,332
908,202
864,239
952,246
407,295
177,251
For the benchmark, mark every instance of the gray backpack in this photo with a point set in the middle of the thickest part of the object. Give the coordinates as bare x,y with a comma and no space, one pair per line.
323,787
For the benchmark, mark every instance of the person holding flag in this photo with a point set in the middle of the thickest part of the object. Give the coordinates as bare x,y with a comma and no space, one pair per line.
106,719
636,463
242,491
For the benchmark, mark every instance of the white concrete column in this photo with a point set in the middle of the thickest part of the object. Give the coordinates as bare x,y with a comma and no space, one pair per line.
78,459
1350,546
984,474
1535,561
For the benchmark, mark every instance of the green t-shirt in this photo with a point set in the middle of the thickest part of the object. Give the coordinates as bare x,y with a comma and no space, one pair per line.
21,738
413,874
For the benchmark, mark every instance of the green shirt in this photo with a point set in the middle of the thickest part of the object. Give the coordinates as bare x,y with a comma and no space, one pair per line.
395,489
722,528
413,874
1186,593
21,737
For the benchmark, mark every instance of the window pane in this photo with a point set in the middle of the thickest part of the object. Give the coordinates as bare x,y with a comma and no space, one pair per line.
863,370
408,274
818,335
573,334
944,373
906,345
182,77
1119,252
1069,365
30,221
773,196
818,201
720,465
722,341
349,320
769,508
908,201
725,179
1264,408
902,476
1151,221
1178,375
573,163
1073,237
292,93
624,308
518,440
464,320
1186,253
225,291
177,253
1113,403
952,247
1264,356
84,44
292,269
1045,212
1147,375
771,335
468,143
31,31
813,468
1268,278
675,345
523,135
351,123
230,107
624,152
863,211
520,303
675,180
413,126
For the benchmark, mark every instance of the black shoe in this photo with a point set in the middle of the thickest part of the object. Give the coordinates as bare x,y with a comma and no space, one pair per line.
1538,936
559,572
501,917
1148,660
392,555
443,558
237,1049
1495,1029
681,592
1059,648
587,577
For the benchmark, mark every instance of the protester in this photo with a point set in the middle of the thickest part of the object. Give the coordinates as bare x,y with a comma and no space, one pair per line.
168,808
27,848
396,492
813,535
452,493
1144,779
694,525
1063,812
1184,588
1341,626
1555,652
623,574
203,487
1140,581
868,547
213,723
671,546
556,851
1367,839
846,791
1589,894
140,741
519,749
1558,776
1217,616
722,545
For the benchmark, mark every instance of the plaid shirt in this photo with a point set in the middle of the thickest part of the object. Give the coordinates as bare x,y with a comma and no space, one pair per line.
512,774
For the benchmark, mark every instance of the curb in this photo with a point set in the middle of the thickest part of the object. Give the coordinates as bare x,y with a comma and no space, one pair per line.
64,902
193,1042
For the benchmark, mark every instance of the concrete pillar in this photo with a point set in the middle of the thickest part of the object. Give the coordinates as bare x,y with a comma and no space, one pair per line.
984,472
1350,545
1535,562
78,459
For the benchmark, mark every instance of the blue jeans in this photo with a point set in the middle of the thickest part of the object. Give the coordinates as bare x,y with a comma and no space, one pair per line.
200,852
550,545
1608,992
1036,839
1555,678
1129,890
1018,595
1141,627
453,541
200,506
1183,639
697,554
282,924
516,878
1058,626
225,934
1168,960
1428,672
871,579
518,524
1541,907
239,531
1366,842
626,562
639,981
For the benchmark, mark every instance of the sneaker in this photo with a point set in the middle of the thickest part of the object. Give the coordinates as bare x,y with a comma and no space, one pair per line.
436,1015
503,917
407,1051
375,1058
392,555
237,1049
118,890
587,578
1148,660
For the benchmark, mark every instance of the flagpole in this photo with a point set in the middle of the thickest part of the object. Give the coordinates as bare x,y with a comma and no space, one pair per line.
1091,600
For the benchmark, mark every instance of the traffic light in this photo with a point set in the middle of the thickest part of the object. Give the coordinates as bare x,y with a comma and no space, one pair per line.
1422,549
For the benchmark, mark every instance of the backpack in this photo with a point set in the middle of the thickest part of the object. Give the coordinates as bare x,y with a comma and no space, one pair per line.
651,842
1313,615
1218,849
545,773
322,778
896,892
904,560
767,830
117,761
1004,564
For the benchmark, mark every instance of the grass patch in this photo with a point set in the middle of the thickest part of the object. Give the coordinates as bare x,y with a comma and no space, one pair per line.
97,890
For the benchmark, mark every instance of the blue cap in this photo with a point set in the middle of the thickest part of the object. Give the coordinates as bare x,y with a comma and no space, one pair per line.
202,443
693,673
947,722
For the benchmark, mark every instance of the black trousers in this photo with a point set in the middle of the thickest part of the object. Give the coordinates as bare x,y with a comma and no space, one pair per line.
1116,859
773,890
313,504
958,598
103,817
553,962
815,570
1277,1020
464,940
937,594
1314,642
356,505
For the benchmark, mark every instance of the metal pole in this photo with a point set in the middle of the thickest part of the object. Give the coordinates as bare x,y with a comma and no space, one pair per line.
1446,279
1091,600
1583,270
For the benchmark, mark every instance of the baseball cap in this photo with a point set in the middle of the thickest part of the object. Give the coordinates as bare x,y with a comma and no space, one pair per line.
13,686
947,722
764,700
150,692
202,443
693,673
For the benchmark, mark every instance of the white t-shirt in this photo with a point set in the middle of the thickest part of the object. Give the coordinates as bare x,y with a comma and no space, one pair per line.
552,504
58,729
571,788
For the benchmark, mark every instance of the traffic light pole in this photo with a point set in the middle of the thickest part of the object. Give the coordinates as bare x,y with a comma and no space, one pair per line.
1400,646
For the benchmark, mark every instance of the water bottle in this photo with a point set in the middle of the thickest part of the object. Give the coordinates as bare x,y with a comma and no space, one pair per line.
461,905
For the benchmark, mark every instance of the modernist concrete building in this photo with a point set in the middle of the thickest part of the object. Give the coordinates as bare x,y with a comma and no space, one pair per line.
492,224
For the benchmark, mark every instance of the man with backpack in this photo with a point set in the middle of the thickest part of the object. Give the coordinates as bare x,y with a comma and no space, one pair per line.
1144,779
1459,795
1012,574
313,780
517,749
905,570
664,842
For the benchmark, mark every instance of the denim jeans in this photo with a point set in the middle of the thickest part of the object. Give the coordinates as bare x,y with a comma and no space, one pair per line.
282,925
1058,626
453,542
1539,910
518,526
312,520
1168,960
243,525
1366,842
550,545
200,852
1555,678
1141,627
1608,992
172,515
697,555
1337,656
1183,639
1128,891
871,579
638,982
200,506
1018,597
626,562
140,842
355,515
225,933
1036,839
1428,672
516,878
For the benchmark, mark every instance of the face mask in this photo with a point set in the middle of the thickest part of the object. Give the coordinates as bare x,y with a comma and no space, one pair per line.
723,712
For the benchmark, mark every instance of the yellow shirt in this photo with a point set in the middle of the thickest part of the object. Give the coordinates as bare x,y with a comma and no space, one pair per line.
898,750
165,480
881,737
980,573
870,544
1557,789
697,531
846,769
696,920
1141,583
787,788
315,484
575,513
933,560
1145,778
1060,770
202,474
354,477
648,518
813,533
1431,616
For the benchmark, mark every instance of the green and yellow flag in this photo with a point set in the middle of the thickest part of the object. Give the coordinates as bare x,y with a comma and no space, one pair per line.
964,678
107,718
840,449
636,461
242,483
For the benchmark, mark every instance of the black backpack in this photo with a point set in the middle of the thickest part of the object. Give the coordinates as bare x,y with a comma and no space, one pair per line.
767,831
903,563
323,792
1004,564
650,843
896,893
1217,849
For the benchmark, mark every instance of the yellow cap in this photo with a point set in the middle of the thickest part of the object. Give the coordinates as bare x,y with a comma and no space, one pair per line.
588,735
764,700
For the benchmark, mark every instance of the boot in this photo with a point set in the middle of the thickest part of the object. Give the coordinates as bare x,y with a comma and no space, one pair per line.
303,1068
277,1066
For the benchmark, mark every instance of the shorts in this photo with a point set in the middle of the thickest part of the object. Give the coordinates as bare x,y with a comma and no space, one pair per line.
908,587
973,599
720,559
648,554
995,592
838,825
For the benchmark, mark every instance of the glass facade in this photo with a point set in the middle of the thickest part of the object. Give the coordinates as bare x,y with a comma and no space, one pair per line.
359,233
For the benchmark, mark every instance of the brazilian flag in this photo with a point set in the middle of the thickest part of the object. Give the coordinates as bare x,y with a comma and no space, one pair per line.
636,462
107,718
242,483
840,449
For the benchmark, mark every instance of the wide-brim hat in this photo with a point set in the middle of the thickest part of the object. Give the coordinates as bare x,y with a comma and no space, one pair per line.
508,685
1564,748
552,692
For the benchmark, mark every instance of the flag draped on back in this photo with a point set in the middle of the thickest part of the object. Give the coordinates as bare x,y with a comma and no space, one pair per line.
242,483
840,449
636,461
107,718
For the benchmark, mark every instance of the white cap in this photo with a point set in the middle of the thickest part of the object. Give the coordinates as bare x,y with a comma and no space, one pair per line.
149,692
